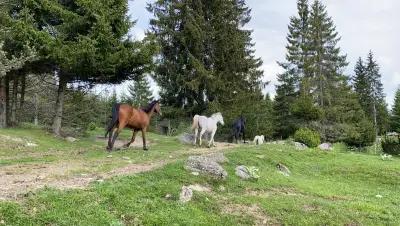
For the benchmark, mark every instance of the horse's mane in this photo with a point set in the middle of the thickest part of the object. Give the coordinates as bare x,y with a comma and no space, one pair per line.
149,106
216,114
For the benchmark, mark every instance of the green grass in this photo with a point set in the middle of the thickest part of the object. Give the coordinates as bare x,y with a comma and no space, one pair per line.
324,188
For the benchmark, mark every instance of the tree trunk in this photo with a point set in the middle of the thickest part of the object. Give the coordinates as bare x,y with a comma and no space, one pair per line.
3,109
62,85
22,98
7,87
36,106
14,100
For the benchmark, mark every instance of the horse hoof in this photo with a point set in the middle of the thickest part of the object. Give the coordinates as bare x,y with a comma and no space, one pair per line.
145,149
108,149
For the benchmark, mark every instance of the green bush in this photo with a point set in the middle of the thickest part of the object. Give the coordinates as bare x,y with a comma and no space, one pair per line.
92,126
391,145
307,137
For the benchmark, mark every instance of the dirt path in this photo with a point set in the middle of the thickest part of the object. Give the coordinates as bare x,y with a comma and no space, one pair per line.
20,179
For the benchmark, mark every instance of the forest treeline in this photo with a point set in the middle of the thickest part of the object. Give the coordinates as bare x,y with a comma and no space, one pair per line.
202,57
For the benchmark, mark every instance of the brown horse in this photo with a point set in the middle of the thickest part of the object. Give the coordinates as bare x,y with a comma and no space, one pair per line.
124,115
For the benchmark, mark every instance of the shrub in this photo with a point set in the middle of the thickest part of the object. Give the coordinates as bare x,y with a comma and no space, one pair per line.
391,145
308,137
92,126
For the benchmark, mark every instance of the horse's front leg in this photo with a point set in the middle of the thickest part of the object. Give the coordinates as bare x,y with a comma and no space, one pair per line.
212,139
201,135
132,139
196,131
110,144
144,139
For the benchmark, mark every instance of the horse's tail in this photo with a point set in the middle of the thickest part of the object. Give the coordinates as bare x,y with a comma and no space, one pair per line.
195,123
114,118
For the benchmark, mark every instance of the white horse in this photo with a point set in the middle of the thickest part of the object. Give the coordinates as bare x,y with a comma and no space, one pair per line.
207,125
259,140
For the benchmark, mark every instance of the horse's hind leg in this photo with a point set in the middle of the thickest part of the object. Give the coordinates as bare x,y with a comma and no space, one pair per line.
144,139
196,131
201,135
110,144
132,139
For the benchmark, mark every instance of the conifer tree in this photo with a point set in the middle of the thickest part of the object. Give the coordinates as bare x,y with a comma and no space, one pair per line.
139,93
326,62
295,68
206,54
369,88
395,118
377,108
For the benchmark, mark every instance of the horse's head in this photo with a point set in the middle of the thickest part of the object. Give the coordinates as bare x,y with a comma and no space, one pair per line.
243,119
157,107
218,116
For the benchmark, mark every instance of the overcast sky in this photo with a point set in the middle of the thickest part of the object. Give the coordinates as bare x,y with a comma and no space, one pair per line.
362,24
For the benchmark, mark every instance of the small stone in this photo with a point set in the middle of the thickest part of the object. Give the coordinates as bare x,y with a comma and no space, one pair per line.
100,180
300,146
195,173
379,196
109,156
186,194
168,196
283,169
70,139
170,156
126,158
242,172
29,144
2,222
221,188
325,147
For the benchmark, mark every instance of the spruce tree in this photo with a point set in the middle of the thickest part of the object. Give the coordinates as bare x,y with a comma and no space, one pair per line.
295,68
361,84
139,93
369,88
395,117
207,56
377,108
326,62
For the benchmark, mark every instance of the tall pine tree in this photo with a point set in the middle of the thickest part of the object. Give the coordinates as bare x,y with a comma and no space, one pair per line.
395,118
139,93
206,54
326,62
369,88
295,68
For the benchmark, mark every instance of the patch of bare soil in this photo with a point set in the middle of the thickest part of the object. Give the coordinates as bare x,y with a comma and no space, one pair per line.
254,211
119,143
274,191
219,146
19,179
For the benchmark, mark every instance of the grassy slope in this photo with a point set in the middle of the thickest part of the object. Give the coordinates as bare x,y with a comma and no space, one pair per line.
334,188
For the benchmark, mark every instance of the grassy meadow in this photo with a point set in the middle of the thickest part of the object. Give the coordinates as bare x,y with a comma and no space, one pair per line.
325,188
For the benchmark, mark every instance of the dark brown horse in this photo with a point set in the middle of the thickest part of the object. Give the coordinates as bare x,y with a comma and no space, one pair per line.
124,115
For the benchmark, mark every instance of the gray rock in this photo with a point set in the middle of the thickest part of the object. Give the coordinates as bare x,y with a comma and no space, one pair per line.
30,144
300,146
186,138
283,169
186,194
70,139
242,172
217,157
205,165
326,147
